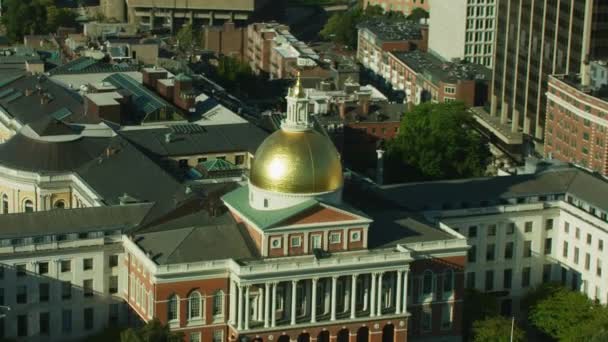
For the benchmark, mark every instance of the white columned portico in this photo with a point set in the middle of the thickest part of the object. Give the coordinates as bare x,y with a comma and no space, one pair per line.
294,292
239,325
398,299
380,294
247,310
267,305
372,296
334,285
233,301
353,296
405,283
313,302
274,305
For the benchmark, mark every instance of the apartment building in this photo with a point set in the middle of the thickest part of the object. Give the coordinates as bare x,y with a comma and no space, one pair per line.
576,123
272,49
424,77
463,30
523,230
535,39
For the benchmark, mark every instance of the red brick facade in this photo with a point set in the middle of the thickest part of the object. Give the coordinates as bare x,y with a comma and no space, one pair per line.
576,126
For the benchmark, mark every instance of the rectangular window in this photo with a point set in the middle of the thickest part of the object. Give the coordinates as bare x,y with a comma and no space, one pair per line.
334,237
548,243
87,264
507,276
446,316
113,284
565,250
600,245
576,255
66,290
43,268
589,239
218,336
87,287
195,337
525,277
113,314
66,321
22,325
577,233
44,323
43,292
587,261
66,265
492,230
316,240
113,260
527,249
489,280
239,159
296,241
88,319
490,252
528,227
509,250
21,294
470,280
598,267
472,254
472,231
549,224
426,323
566,227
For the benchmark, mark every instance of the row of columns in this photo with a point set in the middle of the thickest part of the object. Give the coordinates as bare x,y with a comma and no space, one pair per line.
240,300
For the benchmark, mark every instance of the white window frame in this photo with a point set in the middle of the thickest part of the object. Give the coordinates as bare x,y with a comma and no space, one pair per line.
312,241
358,233
201,306
331,238
276,238
176,319
293,239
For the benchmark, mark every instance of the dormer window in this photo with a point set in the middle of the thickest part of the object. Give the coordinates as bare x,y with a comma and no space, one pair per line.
334,237
275,242
296,241
355,236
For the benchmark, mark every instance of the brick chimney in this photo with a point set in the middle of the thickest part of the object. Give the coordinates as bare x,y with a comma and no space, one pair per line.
364,100
342,110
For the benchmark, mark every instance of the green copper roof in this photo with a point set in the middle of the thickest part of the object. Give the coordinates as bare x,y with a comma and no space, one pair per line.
264,219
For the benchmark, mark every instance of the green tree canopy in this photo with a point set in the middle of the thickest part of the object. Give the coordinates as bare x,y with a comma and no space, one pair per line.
563,313
153,331
25,17
342,27
477,306
496,329
437,141
417,14
188,38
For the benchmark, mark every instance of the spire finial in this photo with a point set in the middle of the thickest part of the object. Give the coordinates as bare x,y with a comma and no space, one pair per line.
297,88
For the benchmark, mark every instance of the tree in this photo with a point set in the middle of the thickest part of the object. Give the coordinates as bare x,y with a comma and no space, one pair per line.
60,17
25,17
342,27
562,313
496,329
437,141
153,331
538,294
477,306
188,38
417,14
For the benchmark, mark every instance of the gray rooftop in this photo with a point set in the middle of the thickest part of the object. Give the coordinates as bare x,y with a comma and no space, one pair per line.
64,221
392,30
437,70
192,139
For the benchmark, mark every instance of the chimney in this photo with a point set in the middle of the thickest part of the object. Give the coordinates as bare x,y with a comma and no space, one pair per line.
364,103
44,99
29,92
342,110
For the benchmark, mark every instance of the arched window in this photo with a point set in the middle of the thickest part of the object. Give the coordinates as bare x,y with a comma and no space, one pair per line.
172,308
448,280
427,283
194,305
4,206
218,303
28,206
59,204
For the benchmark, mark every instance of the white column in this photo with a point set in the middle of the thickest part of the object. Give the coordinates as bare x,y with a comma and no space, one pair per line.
405,284
260,315
398,299
334,285
372,297
294,292
313,303
233,301
380,294
247,310
267,306
273,311
239,325
365,293
353,296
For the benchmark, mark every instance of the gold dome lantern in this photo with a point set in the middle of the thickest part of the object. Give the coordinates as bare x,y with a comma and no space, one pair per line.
297,162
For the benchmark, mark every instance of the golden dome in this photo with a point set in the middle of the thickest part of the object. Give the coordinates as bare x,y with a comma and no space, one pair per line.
298,162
